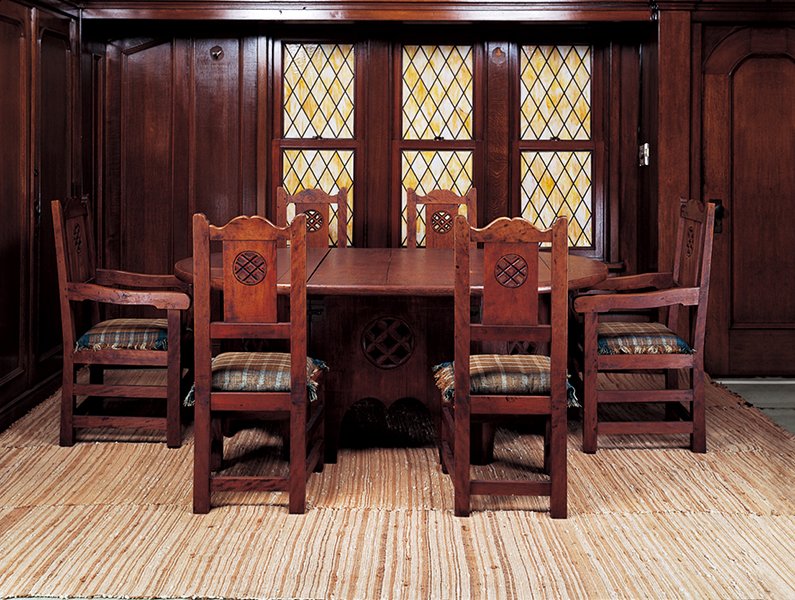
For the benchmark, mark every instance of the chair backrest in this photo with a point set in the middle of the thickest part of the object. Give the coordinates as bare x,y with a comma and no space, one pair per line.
509,301
693,262
75,258
317,206
441,207
74,239
250,264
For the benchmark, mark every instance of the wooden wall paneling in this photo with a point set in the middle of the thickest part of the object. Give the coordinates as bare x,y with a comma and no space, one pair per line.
648,180
146,118
91,108
496,191
265,103
223,127
54,79
673,144
600,105
748,128
625,172
15,37
377,203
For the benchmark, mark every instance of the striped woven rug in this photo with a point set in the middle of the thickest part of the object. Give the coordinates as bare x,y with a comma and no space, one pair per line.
109,518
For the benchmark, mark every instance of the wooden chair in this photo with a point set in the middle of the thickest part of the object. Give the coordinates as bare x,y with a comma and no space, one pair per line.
316,205
263,385
633,346
140,343
441,207
498,385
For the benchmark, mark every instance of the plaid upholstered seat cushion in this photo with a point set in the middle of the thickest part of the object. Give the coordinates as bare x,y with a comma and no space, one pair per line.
639,338
259,372
514,374
126,334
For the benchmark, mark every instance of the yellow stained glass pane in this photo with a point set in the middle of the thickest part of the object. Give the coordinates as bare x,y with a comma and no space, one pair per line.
558,183
555,92
437,92
426,170
319,90
328,170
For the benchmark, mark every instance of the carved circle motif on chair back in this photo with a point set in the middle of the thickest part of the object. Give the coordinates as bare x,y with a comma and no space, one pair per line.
249,267
442,222
314,220
77,238
511,271
387,342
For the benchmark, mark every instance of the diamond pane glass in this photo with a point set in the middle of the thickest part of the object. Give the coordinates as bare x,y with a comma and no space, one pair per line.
555,92
426,170
318,90
328,170
558,183
437,92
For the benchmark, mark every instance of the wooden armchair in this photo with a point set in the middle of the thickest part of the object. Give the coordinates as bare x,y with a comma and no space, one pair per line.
140,343
317,206
498,385
632,346
441,207
262,385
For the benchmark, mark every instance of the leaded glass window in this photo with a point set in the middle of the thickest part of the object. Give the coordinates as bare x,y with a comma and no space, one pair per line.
555,109
437,118
318,104
328,170
429,170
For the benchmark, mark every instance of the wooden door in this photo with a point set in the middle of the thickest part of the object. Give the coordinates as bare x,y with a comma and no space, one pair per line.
749,164
14,165
53,70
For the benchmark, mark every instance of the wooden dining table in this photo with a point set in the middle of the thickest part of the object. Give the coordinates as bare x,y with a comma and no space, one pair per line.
381,317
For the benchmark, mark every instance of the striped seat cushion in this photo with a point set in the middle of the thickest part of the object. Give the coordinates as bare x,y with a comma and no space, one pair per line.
639,338
514,374
259,372
126,334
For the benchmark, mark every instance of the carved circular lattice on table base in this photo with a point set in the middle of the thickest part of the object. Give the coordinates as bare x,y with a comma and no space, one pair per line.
249,267
441,221
511,271
387,342
314,220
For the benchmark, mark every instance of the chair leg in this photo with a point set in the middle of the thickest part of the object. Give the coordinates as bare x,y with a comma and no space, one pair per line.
216,445
173,376
201,459
698,439
590,423
461,454
558,465
297,484
548,445
67,435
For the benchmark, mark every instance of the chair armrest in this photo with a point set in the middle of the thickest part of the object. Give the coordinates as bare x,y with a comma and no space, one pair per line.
98,293
656,299
112,277
636,282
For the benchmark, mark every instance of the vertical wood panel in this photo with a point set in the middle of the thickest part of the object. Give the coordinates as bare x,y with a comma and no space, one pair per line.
498,143
377,98
53,77
146,158
14,69
674,126
215,122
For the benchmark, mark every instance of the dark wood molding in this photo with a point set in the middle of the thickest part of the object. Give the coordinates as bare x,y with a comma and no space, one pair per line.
375,10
